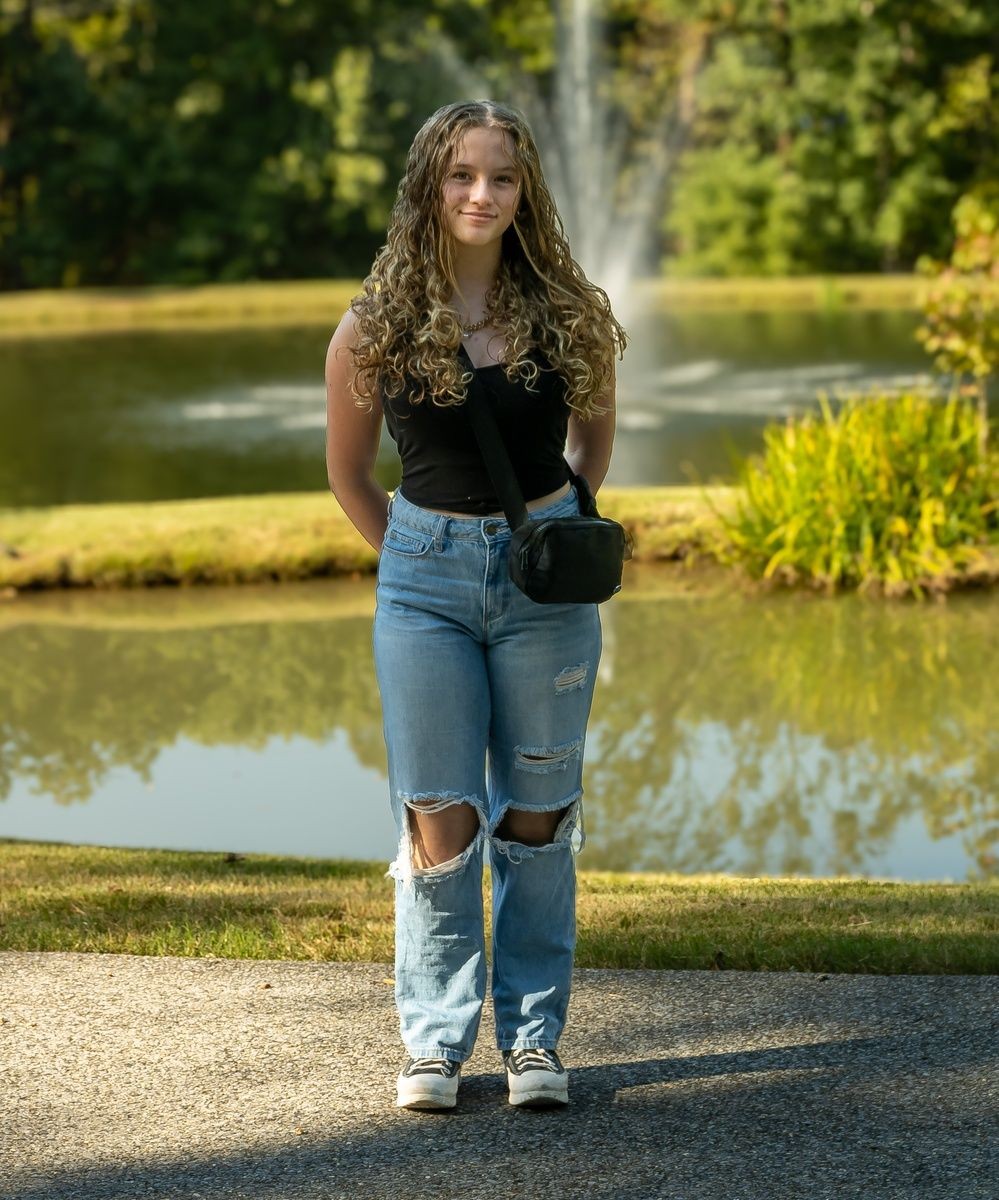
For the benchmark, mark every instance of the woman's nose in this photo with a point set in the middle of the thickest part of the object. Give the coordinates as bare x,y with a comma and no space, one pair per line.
480,190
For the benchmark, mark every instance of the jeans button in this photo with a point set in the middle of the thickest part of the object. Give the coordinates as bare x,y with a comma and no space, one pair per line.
491,527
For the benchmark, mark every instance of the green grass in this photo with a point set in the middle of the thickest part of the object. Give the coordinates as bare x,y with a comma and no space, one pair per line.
819,292
305,535
84,310
322,301
890,493
85,898
283,536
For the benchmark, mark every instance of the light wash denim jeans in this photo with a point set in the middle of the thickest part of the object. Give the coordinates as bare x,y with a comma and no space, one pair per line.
485,698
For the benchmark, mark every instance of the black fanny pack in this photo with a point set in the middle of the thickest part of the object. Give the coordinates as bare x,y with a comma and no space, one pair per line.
554,560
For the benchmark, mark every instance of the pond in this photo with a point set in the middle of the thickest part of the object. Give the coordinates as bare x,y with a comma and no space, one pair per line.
162,415
785,734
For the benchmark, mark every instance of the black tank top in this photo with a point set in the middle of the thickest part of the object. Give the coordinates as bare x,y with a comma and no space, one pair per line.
442,466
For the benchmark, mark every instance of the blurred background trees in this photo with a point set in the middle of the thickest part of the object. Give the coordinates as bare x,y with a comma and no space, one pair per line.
145,143
834,135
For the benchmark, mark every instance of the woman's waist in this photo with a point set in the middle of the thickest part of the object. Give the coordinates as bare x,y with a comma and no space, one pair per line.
531,505
404,512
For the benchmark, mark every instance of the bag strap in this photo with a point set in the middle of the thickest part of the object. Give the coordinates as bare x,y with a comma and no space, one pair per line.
497,459
494,452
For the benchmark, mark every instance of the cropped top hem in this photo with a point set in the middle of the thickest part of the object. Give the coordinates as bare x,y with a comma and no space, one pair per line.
479,511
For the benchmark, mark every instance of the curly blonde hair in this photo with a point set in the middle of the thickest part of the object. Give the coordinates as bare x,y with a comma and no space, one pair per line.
407,332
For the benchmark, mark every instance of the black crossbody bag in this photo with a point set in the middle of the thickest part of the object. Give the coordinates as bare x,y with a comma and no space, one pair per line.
555,560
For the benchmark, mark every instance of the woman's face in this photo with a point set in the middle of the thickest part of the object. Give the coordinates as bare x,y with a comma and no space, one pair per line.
481,188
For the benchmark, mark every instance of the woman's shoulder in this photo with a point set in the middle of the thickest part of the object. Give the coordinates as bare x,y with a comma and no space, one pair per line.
340,362
345,334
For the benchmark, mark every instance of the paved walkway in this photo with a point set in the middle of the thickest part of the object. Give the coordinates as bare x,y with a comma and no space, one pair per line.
130,1077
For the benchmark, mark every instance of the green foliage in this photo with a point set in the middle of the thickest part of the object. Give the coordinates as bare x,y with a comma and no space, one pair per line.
961,327
830,137
890,493
155,143
208,142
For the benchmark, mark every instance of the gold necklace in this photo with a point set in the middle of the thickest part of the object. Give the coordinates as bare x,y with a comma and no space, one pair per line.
466,330
489,318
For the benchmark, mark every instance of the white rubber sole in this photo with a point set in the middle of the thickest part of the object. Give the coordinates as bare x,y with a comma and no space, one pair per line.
540,1097
426,1101
412,1093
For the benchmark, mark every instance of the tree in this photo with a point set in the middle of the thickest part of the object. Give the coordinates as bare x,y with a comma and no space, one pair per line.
830,134
961,326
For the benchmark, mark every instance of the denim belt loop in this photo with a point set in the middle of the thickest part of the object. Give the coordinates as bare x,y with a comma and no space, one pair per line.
440,525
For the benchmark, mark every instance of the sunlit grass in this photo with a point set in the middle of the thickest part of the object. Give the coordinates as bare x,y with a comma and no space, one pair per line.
323,301
81,310
284,536
828,293
59,897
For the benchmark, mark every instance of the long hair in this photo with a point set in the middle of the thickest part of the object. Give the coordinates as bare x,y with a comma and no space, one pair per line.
408,333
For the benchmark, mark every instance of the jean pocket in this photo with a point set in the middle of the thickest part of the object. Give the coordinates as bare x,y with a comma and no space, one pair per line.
410,542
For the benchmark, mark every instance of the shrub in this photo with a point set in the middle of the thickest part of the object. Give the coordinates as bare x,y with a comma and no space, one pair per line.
893,493
961,325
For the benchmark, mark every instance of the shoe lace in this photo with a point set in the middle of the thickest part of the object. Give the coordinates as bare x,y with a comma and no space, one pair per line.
437,1066
537,1056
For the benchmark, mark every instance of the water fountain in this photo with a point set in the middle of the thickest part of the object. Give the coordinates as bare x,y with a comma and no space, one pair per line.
588,148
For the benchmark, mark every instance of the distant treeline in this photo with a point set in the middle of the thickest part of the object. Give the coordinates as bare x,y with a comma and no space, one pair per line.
145,142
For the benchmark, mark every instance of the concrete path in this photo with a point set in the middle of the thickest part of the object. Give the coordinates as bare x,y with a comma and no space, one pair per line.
130,1077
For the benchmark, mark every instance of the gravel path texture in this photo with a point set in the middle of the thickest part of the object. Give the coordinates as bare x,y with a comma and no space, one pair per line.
123,1076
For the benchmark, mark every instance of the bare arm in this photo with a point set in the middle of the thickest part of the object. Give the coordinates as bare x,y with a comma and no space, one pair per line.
352,436
589,443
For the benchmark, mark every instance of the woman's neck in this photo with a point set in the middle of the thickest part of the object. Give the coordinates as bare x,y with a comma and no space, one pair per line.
475,270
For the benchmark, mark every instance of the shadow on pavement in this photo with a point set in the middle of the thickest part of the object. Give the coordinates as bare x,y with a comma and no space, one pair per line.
880,1116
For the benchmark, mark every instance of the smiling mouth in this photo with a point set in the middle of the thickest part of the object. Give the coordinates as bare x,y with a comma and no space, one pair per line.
473,214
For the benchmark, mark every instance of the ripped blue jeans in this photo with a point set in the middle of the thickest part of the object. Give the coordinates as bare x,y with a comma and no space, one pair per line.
485,698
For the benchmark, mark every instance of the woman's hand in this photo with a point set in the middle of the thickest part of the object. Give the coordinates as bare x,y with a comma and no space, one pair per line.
352,436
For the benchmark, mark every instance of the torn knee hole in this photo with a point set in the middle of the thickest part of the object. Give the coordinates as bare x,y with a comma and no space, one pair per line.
530,823
435,844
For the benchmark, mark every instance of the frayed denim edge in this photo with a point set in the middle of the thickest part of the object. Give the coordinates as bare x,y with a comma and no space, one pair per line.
401,868
517,851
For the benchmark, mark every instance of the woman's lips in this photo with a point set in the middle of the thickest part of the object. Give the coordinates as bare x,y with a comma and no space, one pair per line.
479,216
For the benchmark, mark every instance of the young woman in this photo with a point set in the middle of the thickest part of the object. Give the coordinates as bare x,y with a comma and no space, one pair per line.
485,693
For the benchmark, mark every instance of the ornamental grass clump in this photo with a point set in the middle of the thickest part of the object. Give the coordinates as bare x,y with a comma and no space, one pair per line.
893,493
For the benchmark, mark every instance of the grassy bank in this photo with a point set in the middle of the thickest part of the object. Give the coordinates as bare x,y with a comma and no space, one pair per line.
284,536
84,310
320,302
58,897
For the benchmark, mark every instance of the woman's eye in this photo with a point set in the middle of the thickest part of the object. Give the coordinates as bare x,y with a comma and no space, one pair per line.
458,174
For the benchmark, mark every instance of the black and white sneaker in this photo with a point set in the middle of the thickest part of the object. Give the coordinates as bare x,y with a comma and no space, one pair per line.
536,1078
428,1083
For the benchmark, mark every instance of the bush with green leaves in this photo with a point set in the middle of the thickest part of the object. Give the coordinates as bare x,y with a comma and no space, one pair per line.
891,493
961,324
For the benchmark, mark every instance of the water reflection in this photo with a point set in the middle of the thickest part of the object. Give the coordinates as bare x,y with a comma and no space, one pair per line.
796,735
754,735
